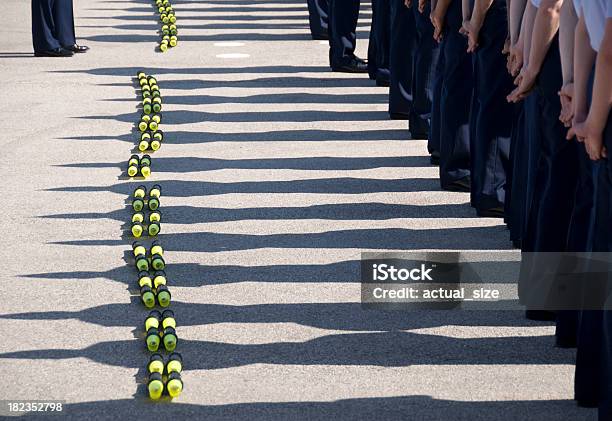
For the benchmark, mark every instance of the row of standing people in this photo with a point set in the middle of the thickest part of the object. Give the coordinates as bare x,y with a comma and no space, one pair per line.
514,98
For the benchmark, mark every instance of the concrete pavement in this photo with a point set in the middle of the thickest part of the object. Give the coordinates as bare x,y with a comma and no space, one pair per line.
277,174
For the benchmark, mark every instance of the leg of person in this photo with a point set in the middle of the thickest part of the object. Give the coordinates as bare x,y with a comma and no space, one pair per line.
455,106
64,23
557,173
400,60
603,243
514,196
318,18
422,75
591,213
433,144
383,38
492,117
373,41
343,15
43,28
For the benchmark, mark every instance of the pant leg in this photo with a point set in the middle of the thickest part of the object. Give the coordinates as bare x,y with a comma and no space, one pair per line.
492,114
557,171
383,29
373,41
43,26
64,22
343,15
423,74
318,18
455,101
433,144
400,59
602,241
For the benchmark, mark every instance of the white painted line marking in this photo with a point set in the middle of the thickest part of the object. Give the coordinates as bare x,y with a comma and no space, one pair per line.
324,42
233,55
228,44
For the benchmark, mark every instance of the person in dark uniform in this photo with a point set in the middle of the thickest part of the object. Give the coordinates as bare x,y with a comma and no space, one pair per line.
592,126
556,174
53,29
378,46
403,33
318,18
423,67
343,15
455,96
491,114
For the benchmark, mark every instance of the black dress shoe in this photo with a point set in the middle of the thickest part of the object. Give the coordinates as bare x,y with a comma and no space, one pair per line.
57,52
496,212
540,315
462,185
399,116
76,48
382,82
421,136
352,65
434,159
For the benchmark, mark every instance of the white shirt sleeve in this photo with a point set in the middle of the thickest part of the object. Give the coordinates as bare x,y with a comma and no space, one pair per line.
536,3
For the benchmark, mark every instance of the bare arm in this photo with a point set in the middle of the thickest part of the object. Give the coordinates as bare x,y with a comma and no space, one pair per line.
465,9
527,29
438,15
516,12
583,63
567,27
591,131
521,91
544,29
481,7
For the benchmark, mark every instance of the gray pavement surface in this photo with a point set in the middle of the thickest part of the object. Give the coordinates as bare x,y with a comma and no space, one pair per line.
276,174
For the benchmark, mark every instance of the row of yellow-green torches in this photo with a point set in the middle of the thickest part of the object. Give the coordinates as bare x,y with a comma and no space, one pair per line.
151,136
169,30
160,326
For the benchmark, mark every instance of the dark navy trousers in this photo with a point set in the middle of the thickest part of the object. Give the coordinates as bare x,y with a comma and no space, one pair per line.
423,67
603,242
491,114
556,174
52,24
378,47
433,143
318,18
455,100
343,15
403,33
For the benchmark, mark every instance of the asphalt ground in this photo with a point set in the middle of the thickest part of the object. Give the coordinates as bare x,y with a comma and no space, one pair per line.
277,175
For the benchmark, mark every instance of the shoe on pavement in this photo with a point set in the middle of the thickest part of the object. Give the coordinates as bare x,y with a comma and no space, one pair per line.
56,52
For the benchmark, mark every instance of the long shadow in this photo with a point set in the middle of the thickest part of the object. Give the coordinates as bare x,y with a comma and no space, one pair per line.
185,137
330,316
305,116
338,212
400,408
131,71
344,185
256,25
196,275
193,164
381,349
246,36
284,98
480,238
185,11
266,82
